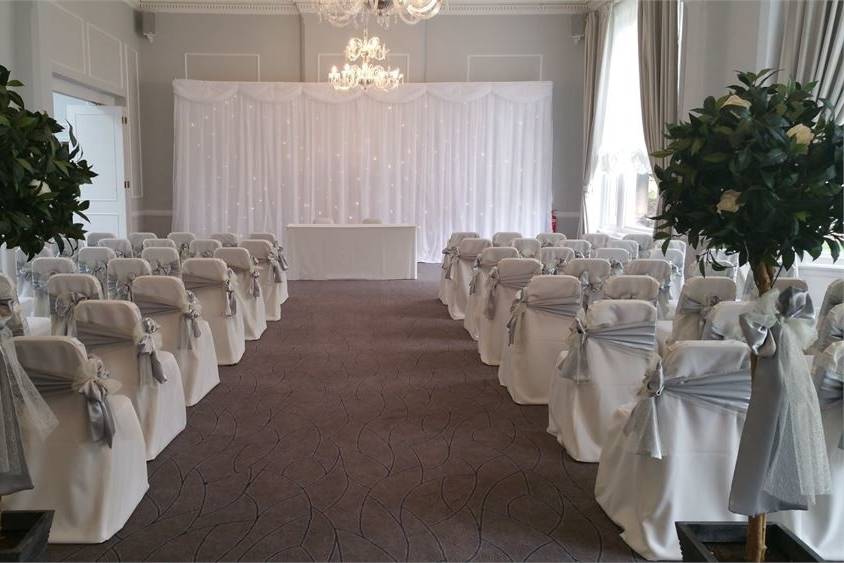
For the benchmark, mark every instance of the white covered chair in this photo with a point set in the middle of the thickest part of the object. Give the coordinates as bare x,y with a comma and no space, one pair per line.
65,292
601,369
91,471
462,271
122,247
159,243
182,240
10,309
596,240
582,248
540,320
121,273
617,257
449,256
94,260
505,238
645,242
372,221
527,247
783,283
631,246
184,333
247,289
214,286
137,241
487,260
272,275
163,261
677,259
555,258
830,329
722,322
670,456
282,260
550,239
697,298
130,348
228,240
23,273
593,274
627,286
833,296
94,239
505,280
204,247
42,270
661,271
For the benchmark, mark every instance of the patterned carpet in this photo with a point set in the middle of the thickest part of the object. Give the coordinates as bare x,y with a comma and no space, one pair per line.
363,426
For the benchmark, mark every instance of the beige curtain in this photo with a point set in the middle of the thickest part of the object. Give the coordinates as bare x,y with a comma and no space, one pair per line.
813,48
595,39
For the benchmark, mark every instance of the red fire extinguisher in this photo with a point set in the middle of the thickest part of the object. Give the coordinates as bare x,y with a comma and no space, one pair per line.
553,220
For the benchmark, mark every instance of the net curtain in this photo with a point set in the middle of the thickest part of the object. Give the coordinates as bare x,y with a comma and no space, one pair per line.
446,157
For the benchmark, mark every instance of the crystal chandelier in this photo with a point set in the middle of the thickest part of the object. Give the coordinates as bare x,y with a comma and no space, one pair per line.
343,12
366,73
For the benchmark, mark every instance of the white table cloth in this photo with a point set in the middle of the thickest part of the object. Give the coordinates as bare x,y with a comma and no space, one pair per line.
343,252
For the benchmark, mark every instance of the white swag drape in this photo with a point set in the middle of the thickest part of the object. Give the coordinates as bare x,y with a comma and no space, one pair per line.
445,156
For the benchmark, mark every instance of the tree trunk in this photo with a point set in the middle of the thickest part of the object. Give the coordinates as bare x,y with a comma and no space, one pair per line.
763,275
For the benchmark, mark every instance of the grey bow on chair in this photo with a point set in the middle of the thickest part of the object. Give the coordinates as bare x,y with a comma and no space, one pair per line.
616,267
184,251
228,284
560,307
589,288
165,268
255,280
638,338
189,310
98,269
62,307
148,346
207,254
517,281
122,289
449,256
278,269
282,259
690,306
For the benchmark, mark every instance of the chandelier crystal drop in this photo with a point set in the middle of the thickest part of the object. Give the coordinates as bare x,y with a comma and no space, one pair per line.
344,12
367,50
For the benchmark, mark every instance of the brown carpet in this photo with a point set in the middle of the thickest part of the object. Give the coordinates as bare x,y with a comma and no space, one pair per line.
363,426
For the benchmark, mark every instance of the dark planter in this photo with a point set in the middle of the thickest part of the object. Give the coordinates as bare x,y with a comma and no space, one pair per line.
724,541
24,534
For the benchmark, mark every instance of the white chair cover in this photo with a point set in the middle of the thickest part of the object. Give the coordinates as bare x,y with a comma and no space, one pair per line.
214,286
617,257
372,221
94,260
23,273
42,270
505,238
122,247
282,260
94,239
550,239
478,285
597,240
505,280
631,246
182,240
323,221
830,329
722,321
204,248
662,272
163,261
130,348
91,471
625,286
592,273
159,243
833,296
681,468
677,259
675,244
602,369
247,289
228,240
121,273
527,247
462,271
65,292
697,298
272,275
184,333
645,242
555,258
137,241
540,319
449,256
582,248
10,309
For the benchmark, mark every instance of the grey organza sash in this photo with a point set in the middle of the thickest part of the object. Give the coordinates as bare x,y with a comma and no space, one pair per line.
636,338
282,259
274,265
94,384
616,267
557,306
480,267
831,393
729,390
147,344
449,257
555,267
192,282
165,268
121,288
589,288
98,269
190,327
782,462
517,281
689,306
63,309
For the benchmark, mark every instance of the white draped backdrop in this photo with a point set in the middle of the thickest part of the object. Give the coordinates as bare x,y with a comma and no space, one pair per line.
443,156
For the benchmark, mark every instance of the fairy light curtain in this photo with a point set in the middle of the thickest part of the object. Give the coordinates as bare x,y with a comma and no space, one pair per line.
445,156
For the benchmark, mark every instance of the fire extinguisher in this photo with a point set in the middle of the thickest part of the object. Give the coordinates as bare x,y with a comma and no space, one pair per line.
553,220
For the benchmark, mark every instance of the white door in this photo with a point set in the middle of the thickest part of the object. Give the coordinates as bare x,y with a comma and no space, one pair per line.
99,130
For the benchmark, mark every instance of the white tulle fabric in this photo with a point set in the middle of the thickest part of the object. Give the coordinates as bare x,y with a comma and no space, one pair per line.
272,277
11,313
160,406
42,270
462,269
270,154
449,255
644,288
644,495
92,487
184,333
579,413
249,300
540,319
207,278
478,286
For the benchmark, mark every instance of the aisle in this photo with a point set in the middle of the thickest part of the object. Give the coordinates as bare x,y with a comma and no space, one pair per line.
364,427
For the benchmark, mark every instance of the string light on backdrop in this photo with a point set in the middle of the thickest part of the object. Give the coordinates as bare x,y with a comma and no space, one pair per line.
367,50
344,12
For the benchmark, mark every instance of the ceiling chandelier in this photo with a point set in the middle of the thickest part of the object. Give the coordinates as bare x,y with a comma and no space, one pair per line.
343,12
366,73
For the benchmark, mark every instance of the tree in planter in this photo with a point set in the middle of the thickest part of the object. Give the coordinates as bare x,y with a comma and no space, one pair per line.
758,173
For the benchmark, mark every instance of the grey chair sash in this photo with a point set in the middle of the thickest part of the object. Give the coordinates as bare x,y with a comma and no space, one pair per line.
831,393
62,307
616,267
449,256
782,462
589,288
151,369
282,259
121,288
689,306
165,268
637,338
98,269
198,282
728,390
559,307
184,251
478,268
517,281
555,267
275,265
190,330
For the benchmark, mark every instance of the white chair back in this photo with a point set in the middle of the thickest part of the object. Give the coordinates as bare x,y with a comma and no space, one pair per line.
94,260
10,307
23,269
137,241
271,274
120,274
697,298
95,238
617,257
833,296
782,283
461,274
550,239
204,248
592,273
505,238
723,321
122,247
597,240
631,246
582,248
659,269
555,258
645,242
228,240
160,243
66,291
830,328
182,240
625,286
527,247
42,270
163,261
